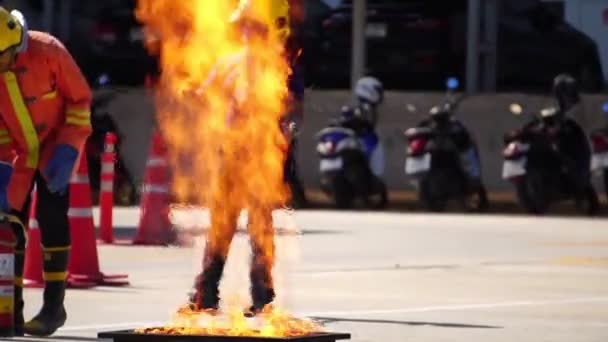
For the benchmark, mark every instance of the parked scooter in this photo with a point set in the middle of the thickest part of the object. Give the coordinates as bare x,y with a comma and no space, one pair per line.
599,141
434,160
533,163
125,193
345,149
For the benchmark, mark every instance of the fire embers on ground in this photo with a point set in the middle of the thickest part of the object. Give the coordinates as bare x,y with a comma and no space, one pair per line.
271,323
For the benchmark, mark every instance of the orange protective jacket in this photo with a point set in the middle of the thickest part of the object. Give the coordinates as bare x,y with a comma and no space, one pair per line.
44,101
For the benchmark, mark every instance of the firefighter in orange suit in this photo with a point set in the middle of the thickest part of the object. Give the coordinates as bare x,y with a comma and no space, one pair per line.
205,295
44,122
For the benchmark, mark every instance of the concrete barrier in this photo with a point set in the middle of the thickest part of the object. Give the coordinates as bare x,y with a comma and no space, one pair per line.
486,116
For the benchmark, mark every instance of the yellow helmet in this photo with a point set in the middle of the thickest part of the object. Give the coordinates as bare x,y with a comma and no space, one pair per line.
279,12
12,30
275,13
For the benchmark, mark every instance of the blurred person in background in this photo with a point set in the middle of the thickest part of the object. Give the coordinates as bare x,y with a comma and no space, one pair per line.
574,143
292,121
363,117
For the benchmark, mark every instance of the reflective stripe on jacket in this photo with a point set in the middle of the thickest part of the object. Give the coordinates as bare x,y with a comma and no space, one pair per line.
44,101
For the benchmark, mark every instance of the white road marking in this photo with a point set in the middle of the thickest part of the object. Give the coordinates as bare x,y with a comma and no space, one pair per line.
127,325
460,307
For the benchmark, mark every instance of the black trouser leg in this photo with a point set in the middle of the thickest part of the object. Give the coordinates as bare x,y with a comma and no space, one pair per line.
52,216
261,234
219,239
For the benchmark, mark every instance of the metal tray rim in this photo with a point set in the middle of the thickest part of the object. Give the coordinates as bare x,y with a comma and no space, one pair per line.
132,333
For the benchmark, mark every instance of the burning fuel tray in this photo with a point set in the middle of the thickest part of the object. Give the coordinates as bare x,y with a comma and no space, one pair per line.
132,336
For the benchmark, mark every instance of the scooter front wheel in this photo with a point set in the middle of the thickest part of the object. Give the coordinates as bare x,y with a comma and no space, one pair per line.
343,195
427,199
531,194
593,202
378,199
478,200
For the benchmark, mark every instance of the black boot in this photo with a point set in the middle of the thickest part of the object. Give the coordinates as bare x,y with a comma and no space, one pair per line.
52,316
262,292
205,295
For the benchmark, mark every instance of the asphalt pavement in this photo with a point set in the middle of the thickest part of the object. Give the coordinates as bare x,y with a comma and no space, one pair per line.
378,276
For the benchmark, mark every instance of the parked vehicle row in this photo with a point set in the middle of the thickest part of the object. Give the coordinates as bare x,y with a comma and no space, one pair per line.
548,160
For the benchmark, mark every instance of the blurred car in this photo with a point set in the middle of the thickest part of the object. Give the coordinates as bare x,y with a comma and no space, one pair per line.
106,38
407,42
536,44
417,43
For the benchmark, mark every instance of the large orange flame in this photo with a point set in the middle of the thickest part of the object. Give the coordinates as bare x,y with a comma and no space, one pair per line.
220,98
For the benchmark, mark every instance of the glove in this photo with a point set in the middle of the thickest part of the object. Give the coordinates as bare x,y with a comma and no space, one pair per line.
6,171
59,169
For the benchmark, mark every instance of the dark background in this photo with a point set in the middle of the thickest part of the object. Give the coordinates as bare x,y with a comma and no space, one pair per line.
411,44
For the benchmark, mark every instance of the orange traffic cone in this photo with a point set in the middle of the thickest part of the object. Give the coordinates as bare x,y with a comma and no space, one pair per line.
84,262
155,228
106,193
32,270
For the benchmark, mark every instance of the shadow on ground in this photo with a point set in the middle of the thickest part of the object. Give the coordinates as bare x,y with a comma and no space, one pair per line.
502,204
126,234
328,320
57,338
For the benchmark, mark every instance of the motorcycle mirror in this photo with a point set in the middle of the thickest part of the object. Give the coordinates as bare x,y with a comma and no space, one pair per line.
605,107
410,108
516,109
452,83
103,80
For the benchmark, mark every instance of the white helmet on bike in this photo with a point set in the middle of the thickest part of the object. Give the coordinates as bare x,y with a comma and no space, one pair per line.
369,90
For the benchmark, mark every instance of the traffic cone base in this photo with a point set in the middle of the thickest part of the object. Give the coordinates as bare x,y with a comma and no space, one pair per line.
33,284
98,279
83,268
70,284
